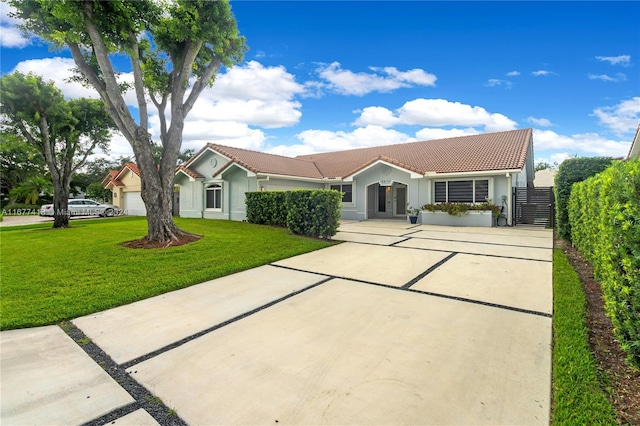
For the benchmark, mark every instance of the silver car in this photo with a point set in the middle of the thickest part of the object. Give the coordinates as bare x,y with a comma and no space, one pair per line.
82,207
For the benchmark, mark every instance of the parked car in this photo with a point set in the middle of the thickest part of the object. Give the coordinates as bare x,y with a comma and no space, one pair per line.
82,207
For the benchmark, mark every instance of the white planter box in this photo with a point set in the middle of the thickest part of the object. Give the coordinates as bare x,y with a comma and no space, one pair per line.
470,218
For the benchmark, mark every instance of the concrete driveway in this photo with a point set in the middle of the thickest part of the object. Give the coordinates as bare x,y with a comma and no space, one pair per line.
401,324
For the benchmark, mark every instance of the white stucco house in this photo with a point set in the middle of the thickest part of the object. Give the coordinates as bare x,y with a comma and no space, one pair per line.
377,182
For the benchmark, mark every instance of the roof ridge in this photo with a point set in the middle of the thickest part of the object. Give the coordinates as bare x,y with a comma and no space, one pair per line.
213,145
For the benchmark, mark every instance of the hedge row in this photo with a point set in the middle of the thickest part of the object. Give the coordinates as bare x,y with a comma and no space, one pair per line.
571,171
604,212
313,213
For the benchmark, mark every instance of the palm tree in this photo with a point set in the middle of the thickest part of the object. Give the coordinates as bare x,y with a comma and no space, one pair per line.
30,190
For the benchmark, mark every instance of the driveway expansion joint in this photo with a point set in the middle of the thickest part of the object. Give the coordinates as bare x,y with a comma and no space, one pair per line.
144,399
479,242
428,271
187,339
426,293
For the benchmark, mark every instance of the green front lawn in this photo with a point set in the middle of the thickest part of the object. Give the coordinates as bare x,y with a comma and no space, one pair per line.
578,397
48,275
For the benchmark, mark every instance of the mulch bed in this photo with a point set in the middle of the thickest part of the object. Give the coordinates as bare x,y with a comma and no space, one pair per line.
143,243
622,380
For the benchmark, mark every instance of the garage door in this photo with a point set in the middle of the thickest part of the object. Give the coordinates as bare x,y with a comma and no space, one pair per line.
133,204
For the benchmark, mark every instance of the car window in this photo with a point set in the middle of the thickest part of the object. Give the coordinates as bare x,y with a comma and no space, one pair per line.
90,203
75,202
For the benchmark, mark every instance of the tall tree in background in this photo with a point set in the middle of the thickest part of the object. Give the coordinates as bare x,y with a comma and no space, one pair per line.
175,48
66,132
19,161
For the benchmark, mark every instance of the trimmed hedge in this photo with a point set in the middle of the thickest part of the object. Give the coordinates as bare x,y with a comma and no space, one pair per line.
604,212
267,208
314,213
571,171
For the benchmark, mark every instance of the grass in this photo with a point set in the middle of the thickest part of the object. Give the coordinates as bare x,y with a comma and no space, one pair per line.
578,397
50,275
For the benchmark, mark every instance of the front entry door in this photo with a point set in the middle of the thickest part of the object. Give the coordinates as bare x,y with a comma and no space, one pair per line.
385,208
401,200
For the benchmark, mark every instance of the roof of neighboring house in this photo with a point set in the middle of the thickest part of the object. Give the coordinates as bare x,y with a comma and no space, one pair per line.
483,152
634,151
113,175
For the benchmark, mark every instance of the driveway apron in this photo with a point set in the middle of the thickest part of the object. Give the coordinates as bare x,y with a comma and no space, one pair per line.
400,324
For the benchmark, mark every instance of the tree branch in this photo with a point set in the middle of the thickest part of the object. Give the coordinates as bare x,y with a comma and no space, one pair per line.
138,83
201,84
95,81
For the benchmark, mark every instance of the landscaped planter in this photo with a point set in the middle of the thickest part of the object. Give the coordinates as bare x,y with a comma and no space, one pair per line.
470,218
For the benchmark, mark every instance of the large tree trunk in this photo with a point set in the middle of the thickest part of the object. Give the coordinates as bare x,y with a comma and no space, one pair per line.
60,205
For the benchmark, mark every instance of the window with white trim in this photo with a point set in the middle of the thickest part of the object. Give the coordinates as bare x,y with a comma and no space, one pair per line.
347,192
214,196
461,191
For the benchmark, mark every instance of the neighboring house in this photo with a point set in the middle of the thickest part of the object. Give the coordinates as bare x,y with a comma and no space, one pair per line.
125,189
377,182
634,151
545,178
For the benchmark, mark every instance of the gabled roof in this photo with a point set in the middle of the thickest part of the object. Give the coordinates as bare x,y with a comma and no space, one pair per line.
477,153
113,176
191,173
634,151
484,152
263,163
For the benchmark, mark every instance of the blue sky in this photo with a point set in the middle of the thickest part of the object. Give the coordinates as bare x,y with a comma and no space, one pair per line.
335,75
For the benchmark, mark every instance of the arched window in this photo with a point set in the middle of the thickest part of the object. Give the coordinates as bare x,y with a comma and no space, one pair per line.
214,196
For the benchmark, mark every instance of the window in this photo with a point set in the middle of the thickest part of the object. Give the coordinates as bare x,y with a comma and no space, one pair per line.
461,191
214,196
347,192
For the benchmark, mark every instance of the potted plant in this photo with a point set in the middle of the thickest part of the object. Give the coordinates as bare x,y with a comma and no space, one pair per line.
413,214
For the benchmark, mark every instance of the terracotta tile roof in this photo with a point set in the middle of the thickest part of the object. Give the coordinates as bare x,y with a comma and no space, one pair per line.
483,152
132,166
111,174
260,162
189,172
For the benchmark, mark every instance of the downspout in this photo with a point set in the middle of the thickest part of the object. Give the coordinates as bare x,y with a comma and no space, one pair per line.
509,201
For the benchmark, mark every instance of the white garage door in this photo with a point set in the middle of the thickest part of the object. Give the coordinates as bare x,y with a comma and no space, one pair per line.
133,204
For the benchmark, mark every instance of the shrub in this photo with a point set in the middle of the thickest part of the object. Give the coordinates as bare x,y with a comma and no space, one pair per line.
314,212
267,208
306,212
604,213
571,171
457,209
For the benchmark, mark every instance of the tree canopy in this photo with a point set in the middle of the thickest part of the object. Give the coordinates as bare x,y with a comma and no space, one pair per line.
65,132
175,50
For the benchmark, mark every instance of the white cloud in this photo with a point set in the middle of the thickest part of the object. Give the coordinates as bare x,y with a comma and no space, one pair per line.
615,60
379,116
429,133
324,140
383,80
255,81
57,70
542,122
10,35
542,72
604,77
621,118
585,143
493,82
437,112
513,73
